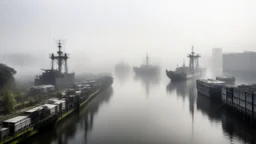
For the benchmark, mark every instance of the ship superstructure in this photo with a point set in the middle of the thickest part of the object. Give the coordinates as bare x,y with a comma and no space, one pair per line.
57,77
184,72
146,69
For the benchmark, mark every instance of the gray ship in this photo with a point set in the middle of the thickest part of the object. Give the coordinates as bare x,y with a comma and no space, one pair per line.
147,69
56,77
122,67
184,72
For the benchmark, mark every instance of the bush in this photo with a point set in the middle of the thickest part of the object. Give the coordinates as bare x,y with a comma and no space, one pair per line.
8,101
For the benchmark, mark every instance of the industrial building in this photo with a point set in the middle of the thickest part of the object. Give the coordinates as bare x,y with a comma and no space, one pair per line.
42,89
240,63
217,57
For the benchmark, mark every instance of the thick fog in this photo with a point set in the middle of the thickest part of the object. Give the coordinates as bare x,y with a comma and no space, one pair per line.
99,33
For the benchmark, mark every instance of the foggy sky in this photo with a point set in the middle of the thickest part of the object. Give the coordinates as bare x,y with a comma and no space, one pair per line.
99,33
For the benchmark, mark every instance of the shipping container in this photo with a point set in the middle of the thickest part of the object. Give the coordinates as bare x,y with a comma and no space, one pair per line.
224,95
17,127
249,108
4,132
51,107
242,94
61,104
16,124
236,92
230,101
34,113
242,105
236,101
248,97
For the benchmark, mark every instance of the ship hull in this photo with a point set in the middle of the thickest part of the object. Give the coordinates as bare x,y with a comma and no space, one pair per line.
174,76
148,72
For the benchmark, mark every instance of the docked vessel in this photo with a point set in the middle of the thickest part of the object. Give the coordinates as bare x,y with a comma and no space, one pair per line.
184,72
146,69
56,77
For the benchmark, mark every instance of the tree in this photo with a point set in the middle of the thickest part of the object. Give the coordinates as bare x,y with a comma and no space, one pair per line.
8,101
6,76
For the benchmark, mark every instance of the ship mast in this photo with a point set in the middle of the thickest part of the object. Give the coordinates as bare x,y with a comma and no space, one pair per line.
193,60
61,58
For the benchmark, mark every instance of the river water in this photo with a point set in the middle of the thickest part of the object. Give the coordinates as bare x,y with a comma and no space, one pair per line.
136,110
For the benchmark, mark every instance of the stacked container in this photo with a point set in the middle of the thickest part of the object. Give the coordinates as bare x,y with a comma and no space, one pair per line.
51,107
61,104
17,123
4,132
34,114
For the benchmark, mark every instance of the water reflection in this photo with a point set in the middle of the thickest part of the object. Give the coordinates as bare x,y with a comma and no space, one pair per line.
183,89
122,76
178,115
235,128
231,125
209,108
78,123
147,81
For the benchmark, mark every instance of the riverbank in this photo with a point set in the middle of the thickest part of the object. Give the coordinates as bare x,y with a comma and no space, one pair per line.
73,102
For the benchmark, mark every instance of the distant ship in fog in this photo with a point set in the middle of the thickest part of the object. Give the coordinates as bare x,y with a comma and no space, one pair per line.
147,69
122,67
184,72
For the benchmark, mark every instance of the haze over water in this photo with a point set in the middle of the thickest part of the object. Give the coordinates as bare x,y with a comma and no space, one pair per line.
149,111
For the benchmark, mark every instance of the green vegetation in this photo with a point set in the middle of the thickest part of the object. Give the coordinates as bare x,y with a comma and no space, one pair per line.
7,83
13,98
8,101
6,77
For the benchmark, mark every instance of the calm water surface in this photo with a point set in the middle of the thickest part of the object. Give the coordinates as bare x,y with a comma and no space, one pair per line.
138,110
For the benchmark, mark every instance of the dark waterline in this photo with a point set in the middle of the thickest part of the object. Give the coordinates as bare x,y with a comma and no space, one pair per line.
149,111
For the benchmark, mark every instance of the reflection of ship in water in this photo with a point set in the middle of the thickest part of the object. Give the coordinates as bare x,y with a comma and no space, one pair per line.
148,81
179,86
122,75
185,89
80,122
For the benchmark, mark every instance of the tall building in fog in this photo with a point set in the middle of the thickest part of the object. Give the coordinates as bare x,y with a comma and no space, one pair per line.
242,63
217,58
